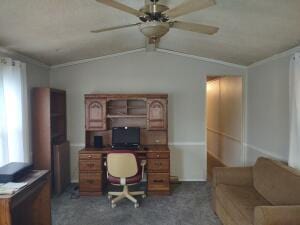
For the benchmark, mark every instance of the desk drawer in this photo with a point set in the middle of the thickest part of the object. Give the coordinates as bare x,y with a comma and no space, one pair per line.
90,165
89,182
158,155
158,181
158,165
90,156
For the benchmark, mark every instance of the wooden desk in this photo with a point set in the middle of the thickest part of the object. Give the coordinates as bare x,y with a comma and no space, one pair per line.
29,206
92,173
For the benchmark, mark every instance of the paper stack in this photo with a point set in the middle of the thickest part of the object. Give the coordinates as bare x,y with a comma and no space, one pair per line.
11,187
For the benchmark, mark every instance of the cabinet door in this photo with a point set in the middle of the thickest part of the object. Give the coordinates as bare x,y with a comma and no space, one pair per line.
95,114
157,114
61,166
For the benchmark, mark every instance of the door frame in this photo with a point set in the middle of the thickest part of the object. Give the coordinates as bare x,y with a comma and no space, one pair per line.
244,117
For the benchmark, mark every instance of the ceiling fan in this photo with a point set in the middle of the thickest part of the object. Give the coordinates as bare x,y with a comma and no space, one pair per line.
157,19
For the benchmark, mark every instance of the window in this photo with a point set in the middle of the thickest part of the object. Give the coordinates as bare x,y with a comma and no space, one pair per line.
13,112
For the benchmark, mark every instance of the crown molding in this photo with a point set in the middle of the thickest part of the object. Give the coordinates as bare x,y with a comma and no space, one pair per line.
143,49
200,58
23,58
72,63
275,57
30,60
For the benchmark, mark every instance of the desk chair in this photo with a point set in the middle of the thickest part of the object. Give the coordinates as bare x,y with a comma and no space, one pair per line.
123,170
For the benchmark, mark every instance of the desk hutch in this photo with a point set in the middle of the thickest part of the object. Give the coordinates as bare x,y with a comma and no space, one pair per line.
105,111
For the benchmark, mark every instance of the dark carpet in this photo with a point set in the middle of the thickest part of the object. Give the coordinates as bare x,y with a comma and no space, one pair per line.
189,204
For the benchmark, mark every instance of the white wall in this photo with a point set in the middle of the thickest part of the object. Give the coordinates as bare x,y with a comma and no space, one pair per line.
37,76
183,78
268,110
224,113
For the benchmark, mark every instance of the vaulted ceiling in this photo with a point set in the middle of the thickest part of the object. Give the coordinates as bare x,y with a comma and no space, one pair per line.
58,31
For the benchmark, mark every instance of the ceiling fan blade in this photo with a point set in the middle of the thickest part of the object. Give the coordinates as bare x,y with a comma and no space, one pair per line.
188,6
115,28
120,6
194,27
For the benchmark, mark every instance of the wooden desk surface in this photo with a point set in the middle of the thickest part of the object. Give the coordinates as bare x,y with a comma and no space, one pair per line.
31,204
143,149
30,179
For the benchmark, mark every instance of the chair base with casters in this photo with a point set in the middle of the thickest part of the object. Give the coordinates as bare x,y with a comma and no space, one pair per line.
123,170
125,194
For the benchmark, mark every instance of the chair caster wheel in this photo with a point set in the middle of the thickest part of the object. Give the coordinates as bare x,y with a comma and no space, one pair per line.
109,197
136,205
144,196
113,205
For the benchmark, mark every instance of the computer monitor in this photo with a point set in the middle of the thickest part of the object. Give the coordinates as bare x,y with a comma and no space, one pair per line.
125,137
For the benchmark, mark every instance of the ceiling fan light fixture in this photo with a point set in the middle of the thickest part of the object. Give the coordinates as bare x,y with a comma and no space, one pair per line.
154,29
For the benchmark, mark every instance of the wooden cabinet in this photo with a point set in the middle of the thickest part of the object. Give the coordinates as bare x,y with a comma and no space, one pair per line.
90,173
157,114
49,135
146,111
95,114
158,167
90,183
61,156
159,183
105,111
30,205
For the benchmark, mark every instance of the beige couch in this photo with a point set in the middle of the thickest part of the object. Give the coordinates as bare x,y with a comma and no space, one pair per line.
266,194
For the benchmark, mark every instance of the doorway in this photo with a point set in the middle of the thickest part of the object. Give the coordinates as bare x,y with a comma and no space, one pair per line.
224,122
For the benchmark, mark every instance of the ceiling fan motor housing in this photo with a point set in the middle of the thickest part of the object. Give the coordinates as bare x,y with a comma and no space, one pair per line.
153,12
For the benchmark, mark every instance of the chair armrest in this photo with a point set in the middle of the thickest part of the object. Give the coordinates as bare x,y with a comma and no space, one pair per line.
241,176
277,215
105,164
143,164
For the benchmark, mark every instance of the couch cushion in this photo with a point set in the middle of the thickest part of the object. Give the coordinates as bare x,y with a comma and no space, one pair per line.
239,202
223,215
276,182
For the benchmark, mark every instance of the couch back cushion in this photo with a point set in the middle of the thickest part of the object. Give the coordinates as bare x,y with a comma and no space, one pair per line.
276,182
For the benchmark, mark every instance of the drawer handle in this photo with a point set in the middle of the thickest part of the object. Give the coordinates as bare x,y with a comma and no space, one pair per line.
157,156
89,156
158,181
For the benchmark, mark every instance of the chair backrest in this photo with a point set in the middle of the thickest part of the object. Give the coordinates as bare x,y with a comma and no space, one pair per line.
122,164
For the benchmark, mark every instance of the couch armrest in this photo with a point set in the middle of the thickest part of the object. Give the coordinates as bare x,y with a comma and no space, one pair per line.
241,176
277,215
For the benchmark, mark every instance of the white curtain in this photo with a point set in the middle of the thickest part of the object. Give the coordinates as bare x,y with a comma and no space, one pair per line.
294,153
13,112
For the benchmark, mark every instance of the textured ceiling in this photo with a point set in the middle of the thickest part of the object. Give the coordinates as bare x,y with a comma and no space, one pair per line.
57,31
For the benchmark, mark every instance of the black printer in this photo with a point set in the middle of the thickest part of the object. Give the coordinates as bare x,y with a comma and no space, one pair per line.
13,171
